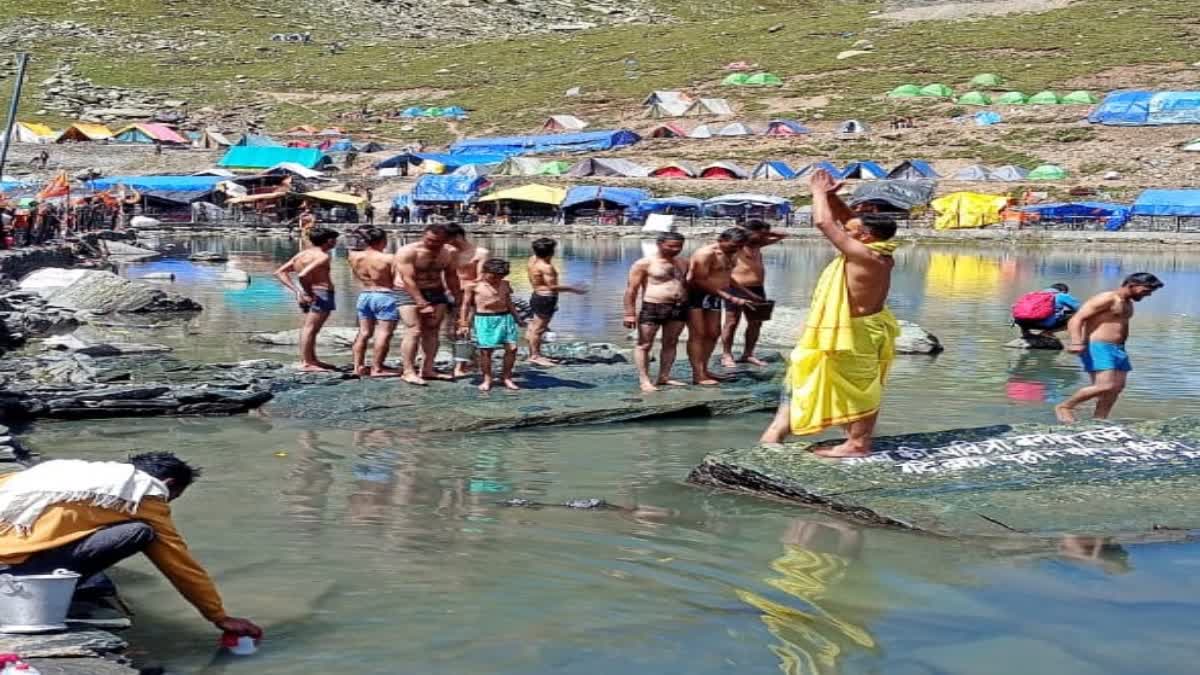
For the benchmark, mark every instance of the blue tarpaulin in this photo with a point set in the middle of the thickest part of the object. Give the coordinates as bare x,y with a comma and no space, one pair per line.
524,145
1168,203
913,169
582,194
158,183
676,205
251,157
1114,215
987,118
447,188
402,200
1147,108
259,141
451,162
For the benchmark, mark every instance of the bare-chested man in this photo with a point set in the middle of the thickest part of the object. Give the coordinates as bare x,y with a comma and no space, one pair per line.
1098,332
661,282
710,280
749,271
314,292
424,278
543,276
377,303
468,263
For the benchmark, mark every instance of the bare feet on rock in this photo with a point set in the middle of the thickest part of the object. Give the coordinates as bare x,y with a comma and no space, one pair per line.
317,367
648,387
444,377
386,372
671,383
542,361
486,385
752,360
843,450
509,384
727,361
707,382
414,379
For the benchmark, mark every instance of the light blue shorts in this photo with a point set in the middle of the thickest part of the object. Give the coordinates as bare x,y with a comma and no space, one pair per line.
493,331
378,306
1105,356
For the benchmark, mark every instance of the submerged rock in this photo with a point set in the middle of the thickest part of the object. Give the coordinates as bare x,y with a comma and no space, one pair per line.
100,292
916,340
1048,342
208,257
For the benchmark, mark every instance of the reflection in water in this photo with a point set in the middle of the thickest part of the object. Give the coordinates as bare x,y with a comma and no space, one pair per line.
1100,551
955,275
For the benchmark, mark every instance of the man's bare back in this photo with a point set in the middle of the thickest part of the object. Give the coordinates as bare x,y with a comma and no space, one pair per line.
868,284
373,269
491,299
318,261
543,276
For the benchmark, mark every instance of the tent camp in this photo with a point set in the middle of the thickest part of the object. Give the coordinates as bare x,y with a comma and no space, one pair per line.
31,132
587,197
676,170
1177,203
1081,214
672,109
558,123
968,210
1045,98
677,206
701,131
709,107
829,167
82,132
748,204
210,140
974,172
599,166
723,171
554,167
772,170
336,198
519,166
735,129
1008,172
668,130
1148,108
369,146
936,90
258,141
675,98
449,189
786,128
1048,172
987,81
974,98
148,133
241,157
864,170
735,80
853,127
905,91
474,170
1080,98
581,141
1011,98
912,169
763,80
894,196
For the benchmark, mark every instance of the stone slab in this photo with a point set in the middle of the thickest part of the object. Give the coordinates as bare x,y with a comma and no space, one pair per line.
76,641
81,666
1092,478
101,292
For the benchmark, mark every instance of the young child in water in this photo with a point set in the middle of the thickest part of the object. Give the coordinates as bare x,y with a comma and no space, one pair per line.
495,321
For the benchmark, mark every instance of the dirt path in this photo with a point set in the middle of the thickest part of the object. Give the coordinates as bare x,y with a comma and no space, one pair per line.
950,11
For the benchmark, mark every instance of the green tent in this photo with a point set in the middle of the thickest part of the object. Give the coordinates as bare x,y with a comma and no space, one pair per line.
1080,98
735,80
974,98
905,91
936,91
1048,172
764,80
987,80
1045,98
554,168
1011,98
434,112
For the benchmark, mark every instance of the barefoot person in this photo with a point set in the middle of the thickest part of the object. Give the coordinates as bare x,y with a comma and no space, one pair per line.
543,276
837,371
314,292
468,263
710,280
377,308
490,302
424,276
660,282
1098,332
749,271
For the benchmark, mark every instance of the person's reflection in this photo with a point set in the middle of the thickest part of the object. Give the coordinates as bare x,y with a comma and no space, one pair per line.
817,559
383,477
1098,551
310,479
1033,378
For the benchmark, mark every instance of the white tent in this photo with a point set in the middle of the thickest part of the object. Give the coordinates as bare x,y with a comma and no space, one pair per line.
854,127
564,123
666,109
1193,146
294,169
519,166
735,129
211,139
702,131
705,107
24,132
668,97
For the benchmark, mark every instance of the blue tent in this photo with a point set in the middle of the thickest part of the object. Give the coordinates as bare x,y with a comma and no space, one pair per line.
1167,203
1147,108
251,157
414,111
987,118
624,197
447,188
344,145
772,170
828,166
526,145
1114,215
866,170
259,141
741,202
913,169
454,111
197,184
676,205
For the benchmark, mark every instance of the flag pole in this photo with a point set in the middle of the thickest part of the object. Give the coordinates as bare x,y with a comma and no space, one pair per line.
22,61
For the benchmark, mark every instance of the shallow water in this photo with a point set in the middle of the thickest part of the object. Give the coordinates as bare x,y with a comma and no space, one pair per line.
375,552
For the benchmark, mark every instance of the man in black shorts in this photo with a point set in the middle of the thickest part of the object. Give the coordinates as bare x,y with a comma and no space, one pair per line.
710,278
660,281
749,275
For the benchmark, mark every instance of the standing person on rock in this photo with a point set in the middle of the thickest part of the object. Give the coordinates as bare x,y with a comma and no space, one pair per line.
314,292
1098,332
468,264
377,307
837,371
659,281
710,280
750,273
425,278
543,276
488,306
307,221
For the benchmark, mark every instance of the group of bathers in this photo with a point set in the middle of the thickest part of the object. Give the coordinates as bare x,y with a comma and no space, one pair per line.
659,313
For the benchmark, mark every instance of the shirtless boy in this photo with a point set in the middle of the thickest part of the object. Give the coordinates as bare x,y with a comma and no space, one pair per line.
490,302
314,292
710,280
543,276
424,278
660,281
468,261
376,303
1098,332
749,271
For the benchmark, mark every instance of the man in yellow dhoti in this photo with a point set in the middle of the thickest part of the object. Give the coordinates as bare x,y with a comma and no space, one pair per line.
837,371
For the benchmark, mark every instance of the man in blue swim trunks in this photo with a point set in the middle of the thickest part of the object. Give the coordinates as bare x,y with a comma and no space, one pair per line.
1098,332
378,306
314,292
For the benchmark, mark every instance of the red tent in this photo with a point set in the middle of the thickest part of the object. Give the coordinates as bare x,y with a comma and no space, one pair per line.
668,130
675,170
718,173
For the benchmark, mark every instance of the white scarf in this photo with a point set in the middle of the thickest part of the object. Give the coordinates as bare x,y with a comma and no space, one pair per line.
108,485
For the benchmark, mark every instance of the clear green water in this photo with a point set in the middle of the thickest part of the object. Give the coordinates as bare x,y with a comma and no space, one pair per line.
377,552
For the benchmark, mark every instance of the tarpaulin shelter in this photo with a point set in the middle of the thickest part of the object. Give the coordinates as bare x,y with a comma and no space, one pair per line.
1011,98
454,112
556,123
853,127
532,193
974,172
412,112
31,132
1147,108
672,109
258,141
519,166
195,184
676,170
1080,98
474,170
763,80
974,98
447,189
1113,216
894,195
258,157
608,198
525,145
294,169
1008,172
735,80
370,146
339,198
600,166
905,91
773,170
1048,172
554,167
709,107
1045,98
987,81
747,203
701,131
830,167
82,132
864,170
936,90
786,128
912,169
723,171
209,139
668,130
987,118
968,210
680,205
1178,203
735,129
341,145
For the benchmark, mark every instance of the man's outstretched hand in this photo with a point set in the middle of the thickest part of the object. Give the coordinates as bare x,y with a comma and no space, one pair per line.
821,181
231,624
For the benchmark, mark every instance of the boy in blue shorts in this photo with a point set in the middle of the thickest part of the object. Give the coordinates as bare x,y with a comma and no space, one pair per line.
489,303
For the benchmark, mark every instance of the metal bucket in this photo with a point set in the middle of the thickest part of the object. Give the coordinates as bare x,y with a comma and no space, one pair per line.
36,603
464,351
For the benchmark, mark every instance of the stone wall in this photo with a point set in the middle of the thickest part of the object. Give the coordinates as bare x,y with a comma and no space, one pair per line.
17,263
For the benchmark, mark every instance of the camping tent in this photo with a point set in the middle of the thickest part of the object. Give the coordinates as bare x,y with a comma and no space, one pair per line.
987,118
936,90
588,196
676,170
1048,172
746,202
709,107
667,109
1045,98
763,80
81,132
912,169
1114,216
987,81
894,195
853,127
669,97
1080,98
563,123
451,188
527,145
474,170
905,91
701,131
1147,108
284,168
974,98
519,166
370,146
735,80
250,157
532,194
194,184
974,172
772,170
671,205
1011,98
1191,146
209,139
594,166
864,170
723,171
668,130
412,112
786,128
829,167
31,132
258,141
1008,172
968,210
1178,203
735,129
554,167
454,112
148,133
341,198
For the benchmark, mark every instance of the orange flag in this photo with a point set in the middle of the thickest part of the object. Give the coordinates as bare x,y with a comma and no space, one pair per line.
59,186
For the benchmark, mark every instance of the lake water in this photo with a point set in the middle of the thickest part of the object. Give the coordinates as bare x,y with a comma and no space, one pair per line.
376,551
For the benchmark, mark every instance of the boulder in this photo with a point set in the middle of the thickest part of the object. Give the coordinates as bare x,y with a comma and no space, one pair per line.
101,292
785,325
916,340
75,345
1048,342
123,251
76,641
338,337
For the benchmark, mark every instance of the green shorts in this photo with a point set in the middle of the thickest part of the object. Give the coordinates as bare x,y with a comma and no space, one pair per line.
493,331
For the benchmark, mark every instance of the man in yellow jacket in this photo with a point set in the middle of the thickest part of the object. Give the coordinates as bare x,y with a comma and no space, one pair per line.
87,516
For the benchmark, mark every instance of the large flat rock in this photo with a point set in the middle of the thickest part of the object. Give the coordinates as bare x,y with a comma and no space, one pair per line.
1094,478
101,292
77,641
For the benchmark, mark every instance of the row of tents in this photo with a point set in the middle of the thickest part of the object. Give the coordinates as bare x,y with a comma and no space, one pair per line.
453,112
82,132
971,210
980,98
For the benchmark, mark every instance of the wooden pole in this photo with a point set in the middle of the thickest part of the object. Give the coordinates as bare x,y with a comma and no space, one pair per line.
22,61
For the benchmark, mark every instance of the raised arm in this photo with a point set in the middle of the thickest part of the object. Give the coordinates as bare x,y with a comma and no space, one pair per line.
512,306
1091,309
637,282
823,186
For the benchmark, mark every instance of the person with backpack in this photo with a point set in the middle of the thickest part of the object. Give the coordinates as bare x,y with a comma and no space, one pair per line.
1046,311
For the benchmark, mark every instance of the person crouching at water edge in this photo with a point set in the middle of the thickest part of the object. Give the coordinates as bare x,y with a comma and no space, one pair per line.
88,516
490,301
314,292
837,371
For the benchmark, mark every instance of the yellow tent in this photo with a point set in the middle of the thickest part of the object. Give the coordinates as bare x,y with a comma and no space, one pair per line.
32,132
968,209
537,194
337,198
82,131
